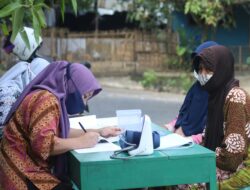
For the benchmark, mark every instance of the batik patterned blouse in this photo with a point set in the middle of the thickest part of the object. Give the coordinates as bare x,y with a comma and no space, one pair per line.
233,157
27,143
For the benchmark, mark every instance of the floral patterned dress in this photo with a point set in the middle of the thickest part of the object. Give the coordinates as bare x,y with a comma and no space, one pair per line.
233,157
27,142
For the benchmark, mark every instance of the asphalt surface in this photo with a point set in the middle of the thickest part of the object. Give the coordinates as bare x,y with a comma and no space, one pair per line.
121,93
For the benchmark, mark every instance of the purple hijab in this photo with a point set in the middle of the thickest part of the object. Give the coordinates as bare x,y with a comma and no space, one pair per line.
53,78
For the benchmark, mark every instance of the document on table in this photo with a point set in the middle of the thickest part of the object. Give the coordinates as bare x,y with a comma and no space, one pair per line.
173,140
88,121
100,147
91,122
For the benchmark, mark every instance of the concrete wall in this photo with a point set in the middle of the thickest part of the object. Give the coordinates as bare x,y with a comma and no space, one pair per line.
113,53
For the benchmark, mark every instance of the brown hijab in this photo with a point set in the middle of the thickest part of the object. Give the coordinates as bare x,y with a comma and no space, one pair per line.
220,60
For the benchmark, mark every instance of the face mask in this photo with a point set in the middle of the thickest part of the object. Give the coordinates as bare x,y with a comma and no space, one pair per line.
203,79
196,75
74,103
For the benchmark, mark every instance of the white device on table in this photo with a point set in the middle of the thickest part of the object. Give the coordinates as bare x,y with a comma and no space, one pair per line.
146,141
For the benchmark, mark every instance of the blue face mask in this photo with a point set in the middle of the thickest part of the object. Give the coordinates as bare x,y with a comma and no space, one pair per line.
74,103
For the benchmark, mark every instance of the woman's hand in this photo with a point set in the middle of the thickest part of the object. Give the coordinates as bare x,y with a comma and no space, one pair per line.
85,140
110,131
169,127
88,139
179,131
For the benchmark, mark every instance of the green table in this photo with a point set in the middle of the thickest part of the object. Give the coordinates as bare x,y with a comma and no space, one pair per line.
169,167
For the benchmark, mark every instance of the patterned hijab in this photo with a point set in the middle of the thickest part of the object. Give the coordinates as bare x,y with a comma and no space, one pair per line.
220,60
54,79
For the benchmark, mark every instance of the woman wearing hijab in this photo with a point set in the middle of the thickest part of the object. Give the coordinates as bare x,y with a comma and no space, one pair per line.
37,132
228,121
192,116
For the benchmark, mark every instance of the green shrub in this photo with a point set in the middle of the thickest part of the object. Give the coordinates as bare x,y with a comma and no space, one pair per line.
166,83
149,79
248,60
186,82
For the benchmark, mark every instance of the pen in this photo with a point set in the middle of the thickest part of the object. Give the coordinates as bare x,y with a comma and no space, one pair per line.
101,139
82,127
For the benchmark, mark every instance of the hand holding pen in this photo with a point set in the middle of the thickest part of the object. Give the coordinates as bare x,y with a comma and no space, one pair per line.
89,139
101,139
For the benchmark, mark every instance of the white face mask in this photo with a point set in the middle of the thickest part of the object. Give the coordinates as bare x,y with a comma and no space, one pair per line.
204,78
196,75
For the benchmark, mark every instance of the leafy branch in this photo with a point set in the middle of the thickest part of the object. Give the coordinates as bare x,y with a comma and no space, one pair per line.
15,14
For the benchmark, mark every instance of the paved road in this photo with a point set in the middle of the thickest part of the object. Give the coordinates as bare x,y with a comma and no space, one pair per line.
123,93
161,107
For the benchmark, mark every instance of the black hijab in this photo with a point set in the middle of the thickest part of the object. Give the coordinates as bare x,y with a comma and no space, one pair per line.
220,60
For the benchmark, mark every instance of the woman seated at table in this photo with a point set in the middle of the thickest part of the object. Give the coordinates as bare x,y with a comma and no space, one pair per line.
37,132
228,123
192,116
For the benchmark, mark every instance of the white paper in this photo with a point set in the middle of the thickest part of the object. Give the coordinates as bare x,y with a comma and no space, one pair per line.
100,147
129,119
109,121
88,122
91,122
173,140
